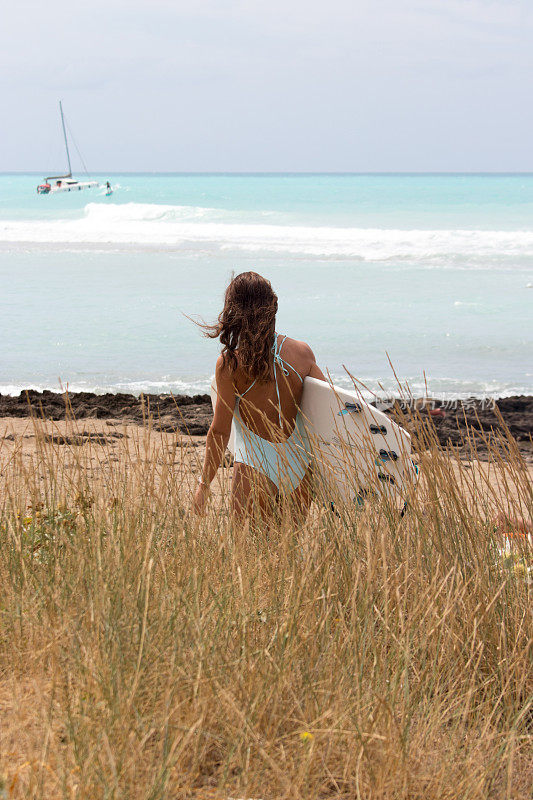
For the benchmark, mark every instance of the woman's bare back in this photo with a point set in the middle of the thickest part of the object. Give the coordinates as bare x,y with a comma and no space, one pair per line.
259,407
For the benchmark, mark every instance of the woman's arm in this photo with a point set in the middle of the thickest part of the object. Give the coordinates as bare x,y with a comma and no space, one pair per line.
316,372
314,369
217,436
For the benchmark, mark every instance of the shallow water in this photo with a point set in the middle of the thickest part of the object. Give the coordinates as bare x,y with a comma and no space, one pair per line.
435,271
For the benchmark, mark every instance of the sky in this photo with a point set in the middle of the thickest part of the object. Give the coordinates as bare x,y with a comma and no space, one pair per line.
268,85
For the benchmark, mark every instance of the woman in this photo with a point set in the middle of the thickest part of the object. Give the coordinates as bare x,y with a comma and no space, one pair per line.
259,380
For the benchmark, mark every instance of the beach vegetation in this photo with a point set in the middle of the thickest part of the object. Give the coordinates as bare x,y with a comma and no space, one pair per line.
149,653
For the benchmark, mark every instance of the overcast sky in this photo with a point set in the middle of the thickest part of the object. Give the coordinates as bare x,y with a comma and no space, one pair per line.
269,85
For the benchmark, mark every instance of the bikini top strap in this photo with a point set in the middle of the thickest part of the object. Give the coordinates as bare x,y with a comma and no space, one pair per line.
240,396
277,357
282,364
275,349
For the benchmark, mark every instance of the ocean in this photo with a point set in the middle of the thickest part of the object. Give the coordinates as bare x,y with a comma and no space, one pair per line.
432,274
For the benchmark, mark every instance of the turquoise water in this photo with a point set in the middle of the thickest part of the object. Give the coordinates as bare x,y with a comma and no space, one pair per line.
435,271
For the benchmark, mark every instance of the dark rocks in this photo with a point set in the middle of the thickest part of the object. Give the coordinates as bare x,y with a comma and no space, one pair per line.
169,413
475,422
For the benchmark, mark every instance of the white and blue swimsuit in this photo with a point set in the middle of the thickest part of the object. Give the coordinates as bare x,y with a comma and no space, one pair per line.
285,463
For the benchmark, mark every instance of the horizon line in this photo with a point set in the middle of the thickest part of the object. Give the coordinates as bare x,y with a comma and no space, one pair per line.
287,172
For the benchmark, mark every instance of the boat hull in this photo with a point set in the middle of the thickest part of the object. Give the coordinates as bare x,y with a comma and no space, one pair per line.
75,187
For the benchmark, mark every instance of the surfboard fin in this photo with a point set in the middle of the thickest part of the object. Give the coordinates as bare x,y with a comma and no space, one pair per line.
388,455
386,478
351,408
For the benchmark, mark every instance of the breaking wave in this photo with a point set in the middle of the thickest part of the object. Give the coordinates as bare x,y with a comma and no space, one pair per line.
369,387
188,227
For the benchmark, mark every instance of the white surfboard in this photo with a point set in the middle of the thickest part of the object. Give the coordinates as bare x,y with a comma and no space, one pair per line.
357,450
355,447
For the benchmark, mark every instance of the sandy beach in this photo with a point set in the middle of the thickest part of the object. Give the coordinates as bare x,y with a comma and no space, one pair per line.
94,433
177,435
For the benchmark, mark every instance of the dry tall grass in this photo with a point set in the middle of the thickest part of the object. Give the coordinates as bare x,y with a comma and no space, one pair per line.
147,654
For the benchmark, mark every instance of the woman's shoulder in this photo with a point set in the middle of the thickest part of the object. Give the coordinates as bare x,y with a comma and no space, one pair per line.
302,358
299,354
227,373
298,346
223,371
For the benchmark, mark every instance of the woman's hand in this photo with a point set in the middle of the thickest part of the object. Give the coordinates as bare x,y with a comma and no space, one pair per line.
200,499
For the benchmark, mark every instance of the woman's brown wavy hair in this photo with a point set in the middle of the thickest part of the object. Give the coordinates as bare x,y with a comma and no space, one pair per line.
246,326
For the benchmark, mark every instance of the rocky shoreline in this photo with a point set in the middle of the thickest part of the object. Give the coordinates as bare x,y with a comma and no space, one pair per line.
192,415
169,412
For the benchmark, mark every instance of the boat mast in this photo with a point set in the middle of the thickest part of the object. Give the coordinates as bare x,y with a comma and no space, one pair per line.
66,141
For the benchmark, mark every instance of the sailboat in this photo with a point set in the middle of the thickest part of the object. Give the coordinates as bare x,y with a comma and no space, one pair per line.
66,183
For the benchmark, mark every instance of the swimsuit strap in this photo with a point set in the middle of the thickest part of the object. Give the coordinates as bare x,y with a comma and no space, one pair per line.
282,364
240,396
279,361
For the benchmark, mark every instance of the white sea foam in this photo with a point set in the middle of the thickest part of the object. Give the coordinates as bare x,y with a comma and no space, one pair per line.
369,387
182,227
137,387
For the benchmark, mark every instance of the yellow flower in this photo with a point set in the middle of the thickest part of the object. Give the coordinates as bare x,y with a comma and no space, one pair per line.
306,736
27,520
521,569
